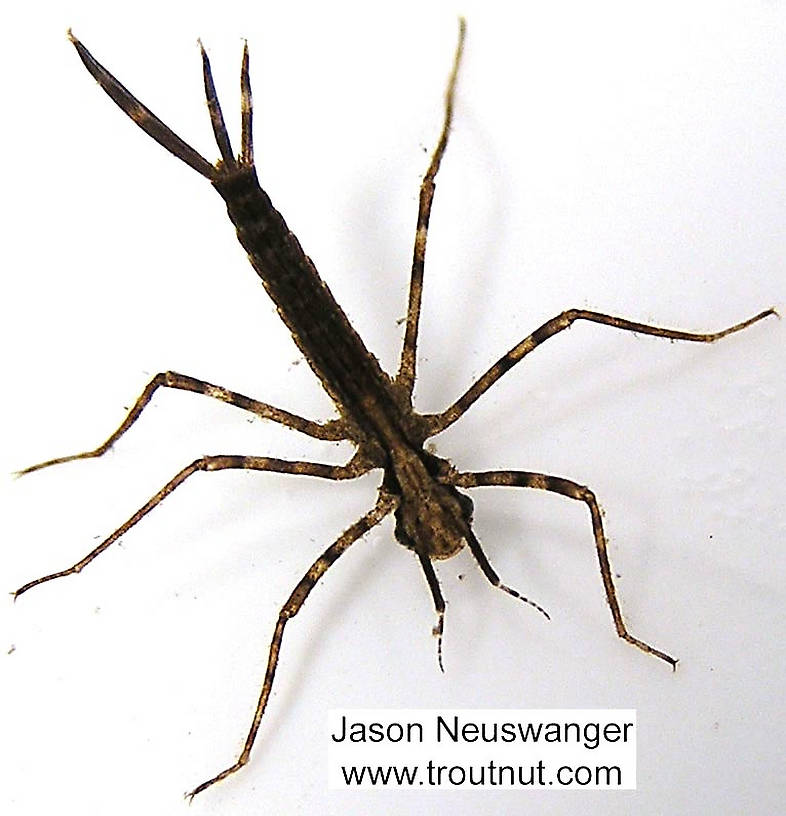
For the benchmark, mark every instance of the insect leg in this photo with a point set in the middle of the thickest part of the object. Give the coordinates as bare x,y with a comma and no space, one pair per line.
333,430
385,504
438,422
554,484
406,372
209,463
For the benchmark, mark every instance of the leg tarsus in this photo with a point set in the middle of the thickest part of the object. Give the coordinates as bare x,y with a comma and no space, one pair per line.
406,372
217,778
331,431
565,487
438,422
355,468
385,504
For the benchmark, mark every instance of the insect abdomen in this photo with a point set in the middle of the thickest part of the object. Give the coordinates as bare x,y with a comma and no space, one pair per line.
333,349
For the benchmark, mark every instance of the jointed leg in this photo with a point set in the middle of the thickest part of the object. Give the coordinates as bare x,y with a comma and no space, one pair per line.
385,504
439,422
406,372
333,430
207,463
540,481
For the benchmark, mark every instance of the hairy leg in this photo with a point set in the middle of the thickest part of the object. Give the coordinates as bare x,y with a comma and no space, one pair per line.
385,504
438,422
554,484
406,373
207,463
332,431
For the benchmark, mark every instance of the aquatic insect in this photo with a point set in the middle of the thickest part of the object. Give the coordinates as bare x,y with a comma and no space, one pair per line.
425,493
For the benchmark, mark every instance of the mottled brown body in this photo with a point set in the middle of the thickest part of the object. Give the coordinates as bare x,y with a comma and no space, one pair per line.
433,518
348,371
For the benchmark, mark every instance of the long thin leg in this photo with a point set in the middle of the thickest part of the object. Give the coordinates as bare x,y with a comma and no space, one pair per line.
406,372
554,484
208,463
333,430
385,504
439,603
438,422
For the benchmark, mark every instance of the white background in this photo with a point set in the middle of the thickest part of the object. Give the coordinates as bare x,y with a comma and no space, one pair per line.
622,157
